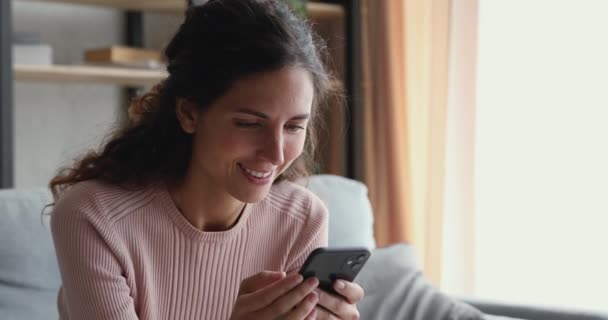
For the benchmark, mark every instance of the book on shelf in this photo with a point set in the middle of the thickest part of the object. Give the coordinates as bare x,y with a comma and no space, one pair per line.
124,56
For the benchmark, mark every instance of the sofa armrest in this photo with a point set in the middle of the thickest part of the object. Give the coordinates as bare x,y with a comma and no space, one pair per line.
529,312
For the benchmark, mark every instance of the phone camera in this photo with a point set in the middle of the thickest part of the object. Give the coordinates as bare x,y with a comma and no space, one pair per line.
354,262
356,266
350,261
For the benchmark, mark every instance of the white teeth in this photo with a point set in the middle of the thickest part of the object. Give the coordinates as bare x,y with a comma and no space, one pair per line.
257,174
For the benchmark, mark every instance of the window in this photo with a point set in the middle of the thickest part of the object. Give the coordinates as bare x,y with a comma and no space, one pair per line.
541,154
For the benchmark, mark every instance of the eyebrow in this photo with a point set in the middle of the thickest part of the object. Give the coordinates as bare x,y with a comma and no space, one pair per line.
263,116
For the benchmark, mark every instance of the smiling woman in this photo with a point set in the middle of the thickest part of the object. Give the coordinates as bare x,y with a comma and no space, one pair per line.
188,211
238,152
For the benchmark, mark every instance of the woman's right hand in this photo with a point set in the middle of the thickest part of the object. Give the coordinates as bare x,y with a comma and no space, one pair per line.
274,295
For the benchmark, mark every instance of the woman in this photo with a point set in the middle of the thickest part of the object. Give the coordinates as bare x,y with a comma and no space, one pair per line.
188,211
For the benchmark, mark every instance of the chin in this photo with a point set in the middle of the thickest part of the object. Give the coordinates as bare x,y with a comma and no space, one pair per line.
252,195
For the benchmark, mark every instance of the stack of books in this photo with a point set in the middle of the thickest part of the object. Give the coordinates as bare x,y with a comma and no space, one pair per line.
125,56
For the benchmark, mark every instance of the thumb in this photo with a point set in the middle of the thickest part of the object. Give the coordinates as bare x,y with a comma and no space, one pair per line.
260,281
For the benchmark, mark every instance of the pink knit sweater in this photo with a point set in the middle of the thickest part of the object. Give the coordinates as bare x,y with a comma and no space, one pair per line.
132,255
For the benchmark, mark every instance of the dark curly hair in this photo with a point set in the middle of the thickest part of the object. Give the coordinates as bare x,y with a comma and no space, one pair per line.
218,43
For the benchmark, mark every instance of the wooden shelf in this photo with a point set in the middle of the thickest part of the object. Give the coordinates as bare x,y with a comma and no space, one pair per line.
88,74
316,10
93,74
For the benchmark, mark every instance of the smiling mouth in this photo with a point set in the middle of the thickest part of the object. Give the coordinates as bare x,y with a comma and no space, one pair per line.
256,174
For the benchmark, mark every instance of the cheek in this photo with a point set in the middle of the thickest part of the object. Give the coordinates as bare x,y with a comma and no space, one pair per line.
293,148
236,144
215,147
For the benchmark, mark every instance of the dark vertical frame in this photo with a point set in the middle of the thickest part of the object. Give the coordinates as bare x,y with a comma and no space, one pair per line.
6,97
133,37
134,29
353,121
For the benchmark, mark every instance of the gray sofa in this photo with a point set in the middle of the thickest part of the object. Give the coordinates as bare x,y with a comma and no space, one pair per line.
395,287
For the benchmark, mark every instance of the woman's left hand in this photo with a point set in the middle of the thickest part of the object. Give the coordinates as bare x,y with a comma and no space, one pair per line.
343,306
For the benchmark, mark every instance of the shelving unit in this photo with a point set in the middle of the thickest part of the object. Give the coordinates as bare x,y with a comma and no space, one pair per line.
130,76
322,13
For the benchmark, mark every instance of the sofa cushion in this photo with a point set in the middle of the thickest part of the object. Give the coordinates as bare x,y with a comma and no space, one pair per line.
29,275
396,289
351,221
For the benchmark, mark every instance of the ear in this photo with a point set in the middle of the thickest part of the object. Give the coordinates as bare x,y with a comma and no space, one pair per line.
187,115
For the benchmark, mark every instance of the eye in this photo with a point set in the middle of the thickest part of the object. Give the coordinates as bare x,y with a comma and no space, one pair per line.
294,128
247,124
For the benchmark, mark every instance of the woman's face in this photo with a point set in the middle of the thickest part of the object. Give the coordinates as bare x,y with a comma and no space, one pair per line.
250,135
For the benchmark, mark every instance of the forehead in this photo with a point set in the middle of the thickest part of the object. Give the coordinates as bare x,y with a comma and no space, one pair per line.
286,89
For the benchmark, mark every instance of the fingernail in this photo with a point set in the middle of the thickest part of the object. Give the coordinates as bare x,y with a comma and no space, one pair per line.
340,284
313,296
313,281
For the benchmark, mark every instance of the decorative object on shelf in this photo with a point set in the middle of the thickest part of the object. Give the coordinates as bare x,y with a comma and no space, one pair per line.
28,49
299,7
125,56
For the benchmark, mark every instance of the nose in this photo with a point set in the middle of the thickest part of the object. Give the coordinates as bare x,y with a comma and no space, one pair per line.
273,148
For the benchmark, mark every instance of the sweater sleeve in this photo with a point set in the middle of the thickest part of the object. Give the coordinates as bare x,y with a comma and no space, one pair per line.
93,285
312,236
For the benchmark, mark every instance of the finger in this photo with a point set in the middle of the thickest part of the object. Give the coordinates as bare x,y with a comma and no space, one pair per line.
292,272
334,304
349,290
288,301
313,314
265,297
324,314
259,281
305,309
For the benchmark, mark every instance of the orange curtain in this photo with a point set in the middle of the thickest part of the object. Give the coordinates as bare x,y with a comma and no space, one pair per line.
405,63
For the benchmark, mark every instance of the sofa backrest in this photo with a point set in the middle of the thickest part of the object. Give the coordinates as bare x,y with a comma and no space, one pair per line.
351,221
29,276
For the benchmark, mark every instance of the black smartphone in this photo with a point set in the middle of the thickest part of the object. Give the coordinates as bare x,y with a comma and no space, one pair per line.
330,264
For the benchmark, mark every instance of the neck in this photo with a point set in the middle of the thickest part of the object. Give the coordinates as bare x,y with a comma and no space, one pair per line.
203,207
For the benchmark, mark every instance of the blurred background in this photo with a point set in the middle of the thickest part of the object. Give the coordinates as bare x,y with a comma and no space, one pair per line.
479,126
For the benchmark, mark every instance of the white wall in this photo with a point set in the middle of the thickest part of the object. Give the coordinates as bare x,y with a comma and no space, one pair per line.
55,122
